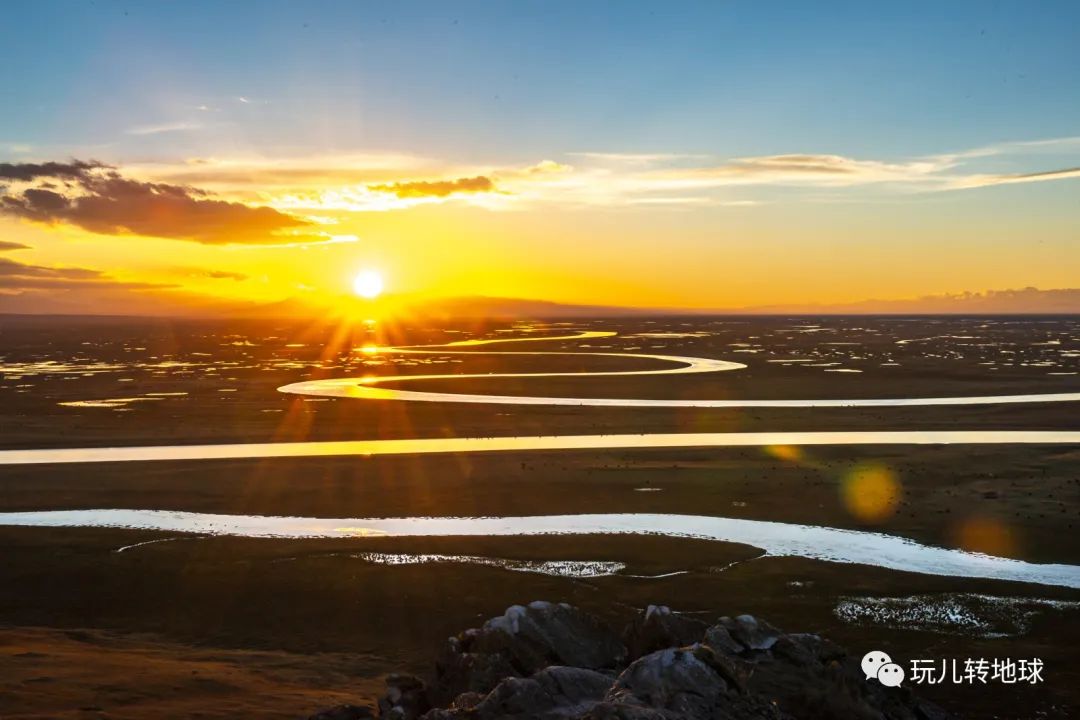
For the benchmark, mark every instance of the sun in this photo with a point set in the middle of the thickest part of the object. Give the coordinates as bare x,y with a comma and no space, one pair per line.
368,284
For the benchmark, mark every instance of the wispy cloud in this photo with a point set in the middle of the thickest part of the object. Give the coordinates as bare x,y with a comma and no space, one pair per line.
542,168
181,126
17,148
978,181
289,174
380,182
637,158
646,179
316,242
1058,144
814,169
658,174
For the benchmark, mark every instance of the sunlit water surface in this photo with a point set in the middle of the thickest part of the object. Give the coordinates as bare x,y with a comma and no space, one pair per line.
425,446
774,538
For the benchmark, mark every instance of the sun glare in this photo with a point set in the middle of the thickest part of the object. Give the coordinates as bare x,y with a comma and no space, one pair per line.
368,284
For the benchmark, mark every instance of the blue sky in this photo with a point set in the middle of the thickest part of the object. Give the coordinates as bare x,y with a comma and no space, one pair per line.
489,81
594,152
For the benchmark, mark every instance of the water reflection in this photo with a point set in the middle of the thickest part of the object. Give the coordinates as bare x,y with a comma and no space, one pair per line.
365,387
774,538
425,446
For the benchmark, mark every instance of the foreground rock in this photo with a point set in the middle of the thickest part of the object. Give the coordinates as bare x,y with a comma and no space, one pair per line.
521,642
661,628
550,661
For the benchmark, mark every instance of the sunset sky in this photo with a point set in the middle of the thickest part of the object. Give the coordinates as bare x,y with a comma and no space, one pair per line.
170,156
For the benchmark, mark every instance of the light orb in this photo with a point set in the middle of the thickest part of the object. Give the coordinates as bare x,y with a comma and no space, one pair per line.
368,284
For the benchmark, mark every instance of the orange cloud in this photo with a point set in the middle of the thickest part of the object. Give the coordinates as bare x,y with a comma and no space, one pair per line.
17,276
437,188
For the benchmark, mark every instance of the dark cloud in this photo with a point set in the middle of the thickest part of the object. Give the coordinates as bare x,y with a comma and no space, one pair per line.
25,172
99,199
436,188
13,268
9,245
15,276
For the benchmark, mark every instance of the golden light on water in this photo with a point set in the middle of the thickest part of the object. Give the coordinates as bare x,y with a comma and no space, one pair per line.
361,532
870,492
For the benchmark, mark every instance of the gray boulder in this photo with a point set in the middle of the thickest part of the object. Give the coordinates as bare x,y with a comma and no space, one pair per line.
406,698
749,632
522,641
554,693
658,628
810,677
690,683
672,679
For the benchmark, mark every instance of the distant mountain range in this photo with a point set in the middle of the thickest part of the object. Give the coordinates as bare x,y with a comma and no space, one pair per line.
1024,301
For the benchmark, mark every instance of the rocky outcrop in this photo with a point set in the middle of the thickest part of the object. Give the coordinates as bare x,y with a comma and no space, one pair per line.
660,628
691,682
406,698
550,661
522,641
554,693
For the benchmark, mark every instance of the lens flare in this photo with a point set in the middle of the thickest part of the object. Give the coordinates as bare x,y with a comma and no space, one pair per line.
986,535
787,453
871,492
